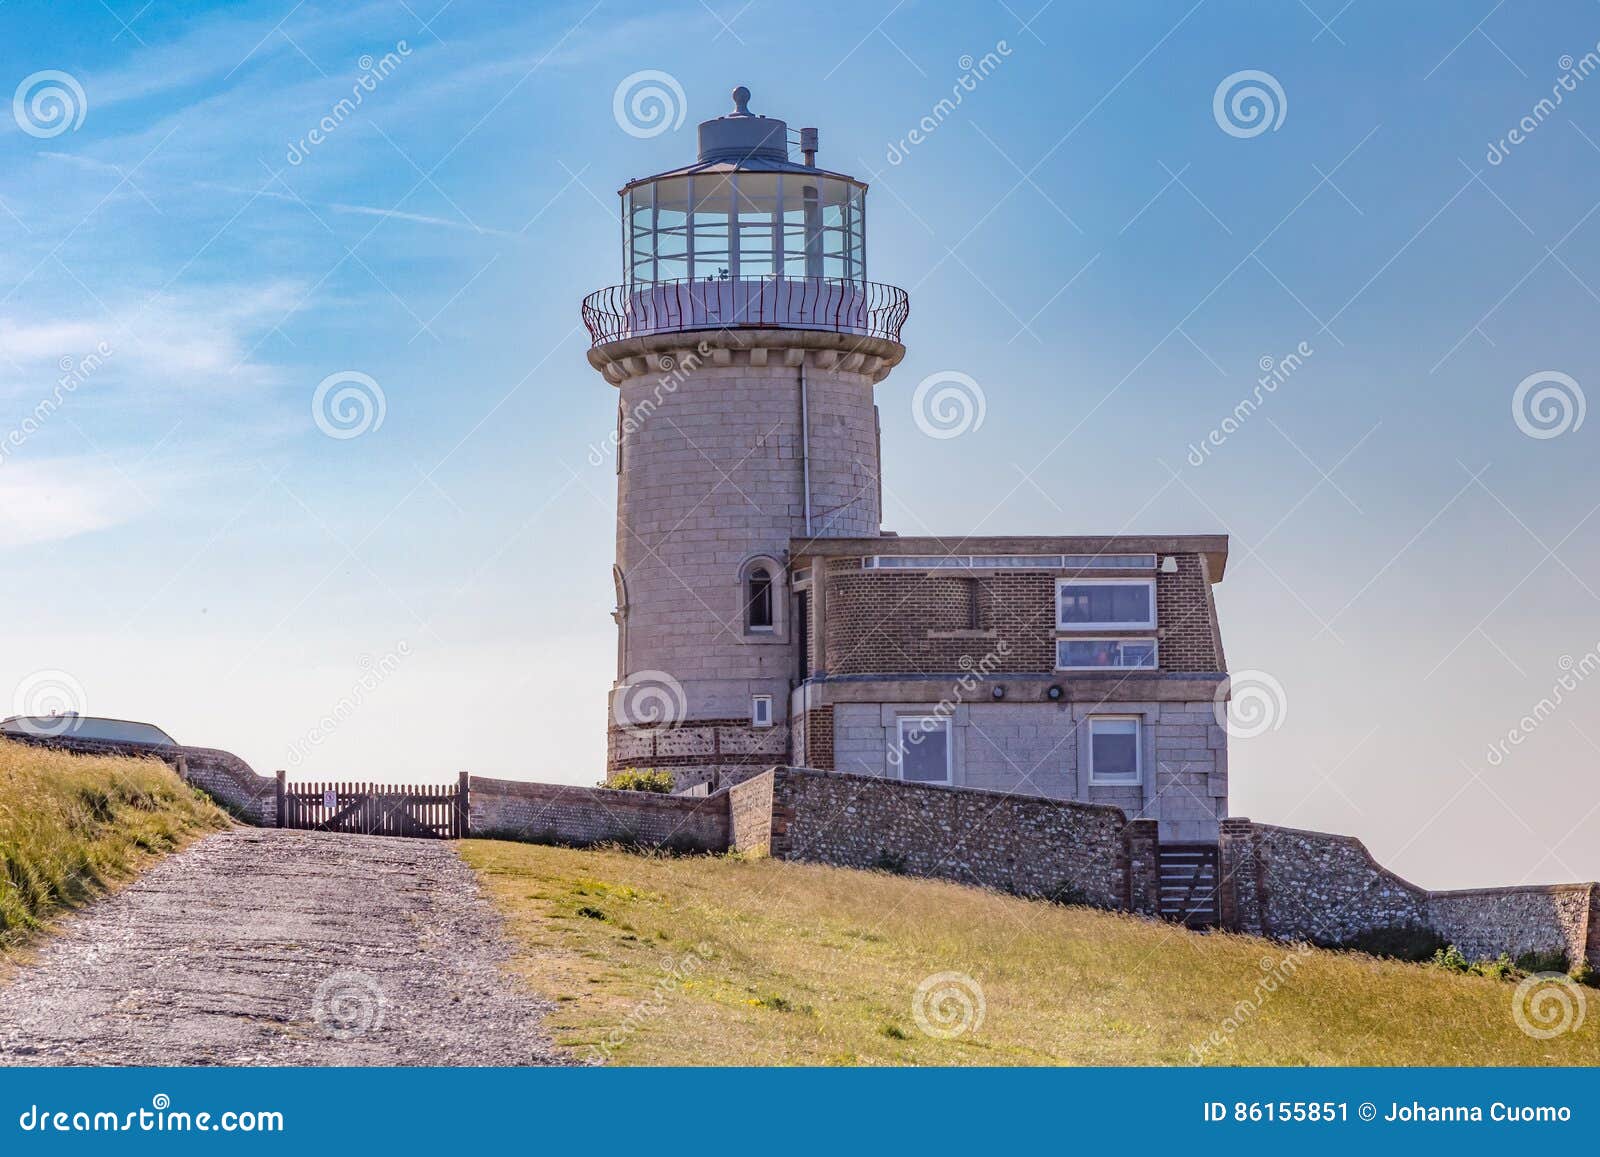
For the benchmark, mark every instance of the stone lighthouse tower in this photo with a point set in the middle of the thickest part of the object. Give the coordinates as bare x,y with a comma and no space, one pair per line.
744,343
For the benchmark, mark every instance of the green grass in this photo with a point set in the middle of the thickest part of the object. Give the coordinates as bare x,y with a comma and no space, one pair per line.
73,825
718,960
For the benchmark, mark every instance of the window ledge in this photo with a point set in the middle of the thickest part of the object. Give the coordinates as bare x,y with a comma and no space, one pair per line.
1112,670
963,634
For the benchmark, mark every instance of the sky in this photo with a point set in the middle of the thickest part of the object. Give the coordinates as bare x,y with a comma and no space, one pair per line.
320,487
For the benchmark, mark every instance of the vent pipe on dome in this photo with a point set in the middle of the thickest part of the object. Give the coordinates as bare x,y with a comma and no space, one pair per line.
808,147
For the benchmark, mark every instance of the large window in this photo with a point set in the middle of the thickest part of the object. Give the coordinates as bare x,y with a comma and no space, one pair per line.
1112,654
1105,604
1114,756
922,749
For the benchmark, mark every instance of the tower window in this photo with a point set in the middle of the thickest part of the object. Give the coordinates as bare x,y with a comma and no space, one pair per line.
758,599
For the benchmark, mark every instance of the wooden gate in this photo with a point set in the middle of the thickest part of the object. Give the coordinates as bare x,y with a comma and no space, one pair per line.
1189,884
427,811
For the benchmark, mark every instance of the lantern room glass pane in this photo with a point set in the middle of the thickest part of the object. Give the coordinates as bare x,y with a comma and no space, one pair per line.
756,203
742,225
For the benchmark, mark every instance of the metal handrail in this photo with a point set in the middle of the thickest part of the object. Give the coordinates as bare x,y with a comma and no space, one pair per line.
834,304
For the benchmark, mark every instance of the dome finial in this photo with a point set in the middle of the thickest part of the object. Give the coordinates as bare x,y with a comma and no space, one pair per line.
741,101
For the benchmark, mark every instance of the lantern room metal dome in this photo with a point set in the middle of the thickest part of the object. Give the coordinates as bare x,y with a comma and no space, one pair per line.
745,236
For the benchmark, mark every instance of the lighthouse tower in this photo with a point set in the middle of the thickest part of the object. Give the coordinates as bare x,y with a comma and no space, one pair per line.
744,343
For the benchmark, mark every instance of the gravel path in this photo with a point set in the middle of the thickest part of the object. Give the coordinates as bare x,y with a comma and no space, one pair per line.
274,947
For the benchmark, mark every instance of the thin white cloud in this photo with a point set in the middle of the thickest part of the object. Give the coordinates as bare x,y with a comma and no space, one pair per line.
417,218
199,339
47,501
224,47
368,211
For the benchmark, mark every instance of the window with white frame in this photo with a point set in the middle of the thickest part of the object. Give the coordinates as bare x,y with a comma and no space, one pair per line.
922,749
1109,654
761,711
1105,604
1114,756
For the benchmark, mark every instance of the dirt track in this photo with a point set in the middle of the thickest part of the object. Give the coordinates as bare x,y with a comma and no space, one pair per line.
274,948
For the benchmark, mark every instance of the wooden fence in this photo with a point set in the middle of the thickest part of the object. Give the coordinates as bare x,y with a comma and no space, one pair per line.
427,811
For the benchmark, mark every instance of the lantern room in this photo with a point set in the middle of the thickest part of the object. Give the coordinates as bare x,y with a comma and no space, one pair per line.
745,236
745,211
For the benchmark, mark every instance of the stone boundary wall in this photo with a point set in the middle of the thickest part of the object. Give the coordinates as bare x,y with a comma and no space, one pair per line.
750,815
1028,845
1313,885
1286,883
1291,883
697,751
1489,921
226,778
567,814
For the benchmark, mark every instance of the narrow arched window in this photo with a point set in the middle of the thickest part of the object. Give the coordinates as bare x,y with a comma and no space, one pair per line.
758,599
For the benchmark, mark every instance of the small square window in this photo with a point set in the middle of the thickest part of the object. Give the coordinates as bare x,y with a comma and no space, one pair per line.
1114,756
761,711
922,749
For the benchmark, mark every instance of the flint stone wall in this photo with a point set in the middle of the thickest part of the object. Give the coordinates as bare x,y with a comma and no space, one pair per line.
1489,921
1290,883
1024,844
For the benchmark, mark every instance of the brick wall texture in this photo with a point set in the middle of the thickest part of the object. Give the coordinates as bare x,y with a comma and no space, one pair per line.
815,745
918,623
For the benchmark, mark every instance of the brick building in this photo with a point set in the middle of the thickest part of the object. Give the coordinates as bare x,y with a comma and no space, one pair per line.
763,614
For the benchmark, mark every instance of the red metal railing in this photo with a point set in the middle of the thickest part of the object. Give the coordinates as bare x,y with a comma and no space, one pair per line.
826,303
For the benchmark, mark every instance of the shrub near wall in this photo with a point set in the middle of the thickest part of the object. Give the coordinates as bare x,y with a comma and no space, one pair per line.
1485,922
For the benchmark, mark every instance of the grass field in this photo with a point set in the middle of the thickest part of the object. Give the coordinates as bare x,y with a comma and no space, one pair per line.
657,960
73,825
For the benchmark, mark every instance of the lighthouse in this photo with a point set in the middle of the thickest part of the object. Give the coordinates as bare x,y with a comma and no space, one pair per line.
744,342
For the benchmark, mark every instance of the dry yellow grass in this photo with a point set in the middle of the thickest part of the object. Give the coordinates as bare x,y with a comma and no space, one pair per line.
705,961
72,825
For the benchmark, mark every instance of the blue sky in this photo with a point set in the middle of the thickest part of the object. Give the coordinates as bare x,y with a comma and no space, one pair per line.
1080,236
